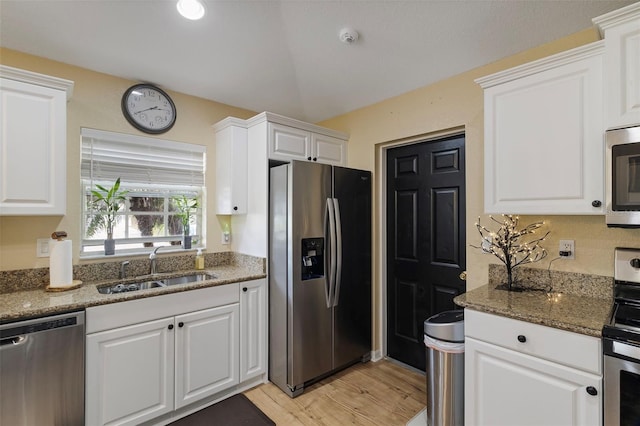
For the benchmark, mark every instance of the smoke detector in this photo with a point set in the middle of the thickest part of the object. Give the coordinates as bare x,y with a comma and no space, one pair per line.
348,35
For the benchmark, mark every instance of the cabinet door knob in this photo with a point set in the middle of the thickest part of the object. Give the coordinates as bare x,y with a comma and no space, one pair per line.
315,159
592,391
596,203
522,338
235,207
170,327
635,263
180,324
244,289
309,158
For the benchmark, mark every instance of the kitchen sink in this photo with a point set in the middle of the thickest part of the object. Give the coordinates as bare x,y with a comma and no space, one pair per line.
188,279
162,282
123,288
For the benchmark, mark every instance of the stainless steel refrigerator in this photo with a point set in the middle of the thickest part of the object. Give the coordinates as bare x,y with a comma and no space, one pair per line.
319,272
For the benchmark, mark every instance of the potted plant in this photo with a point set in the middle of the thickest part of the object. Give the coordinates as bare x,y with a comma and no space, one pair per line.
105,204
507,244
185,206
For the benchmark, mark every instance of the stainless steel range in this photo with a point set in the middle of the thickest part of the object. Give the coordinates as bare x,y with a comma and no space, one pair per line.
621,343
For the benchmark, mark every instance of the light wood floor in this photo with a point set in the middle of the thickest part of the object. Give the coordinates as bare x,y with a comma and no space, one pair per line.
375,393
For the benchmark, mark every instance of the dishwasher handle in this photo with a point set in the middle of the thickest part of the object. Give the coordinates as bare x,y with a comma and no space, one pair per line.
42,324
13,341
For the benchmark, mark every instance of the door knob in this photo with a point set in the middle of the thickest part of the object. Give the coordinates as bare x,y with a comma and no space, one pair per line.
592,391
463,275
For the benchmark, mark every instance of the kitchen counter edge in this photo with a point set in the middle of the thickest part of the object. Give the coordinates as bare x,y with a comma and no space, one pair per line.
37,303
578,314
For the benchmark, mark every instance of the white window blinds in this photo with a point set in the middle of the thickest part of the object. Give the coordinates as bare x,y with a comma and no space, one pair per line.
138,159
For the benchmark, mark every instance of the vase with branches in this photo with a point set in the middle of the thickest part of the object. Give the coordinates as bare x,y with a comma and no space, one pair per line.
513,246
184,208
105,204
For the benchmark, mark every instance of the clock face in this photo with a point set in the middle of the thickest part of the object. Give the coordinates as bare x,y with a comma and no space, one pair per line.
148,108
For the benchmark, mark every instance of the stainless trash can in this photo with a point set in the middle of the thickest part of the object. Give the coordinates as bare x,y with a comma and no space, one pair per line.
444,341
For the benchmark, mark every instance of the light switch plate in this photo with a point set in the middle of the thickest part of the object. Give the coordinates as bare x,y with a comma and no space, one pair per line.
42,247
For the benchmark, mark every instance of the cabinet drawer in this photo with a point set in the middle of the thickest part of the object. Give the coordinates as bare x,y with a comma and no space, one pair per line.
571,349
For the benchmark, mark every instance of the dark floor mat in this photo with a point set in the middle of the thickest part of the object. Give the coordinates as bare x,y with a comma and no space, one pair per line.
237,410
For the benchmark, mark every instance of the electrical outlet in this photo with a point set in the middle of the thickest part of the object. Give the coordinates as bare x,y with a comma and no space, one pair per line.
226,238
567,249
42,247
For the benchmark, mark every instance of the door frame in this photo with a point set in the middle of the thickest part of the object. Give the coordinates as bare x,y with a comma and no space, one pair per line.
381,225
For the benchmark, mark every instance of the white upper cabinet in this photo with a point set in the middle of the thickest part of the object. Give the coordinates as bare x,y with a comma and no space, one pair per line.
621,31
290,139
543,141
231,167
328,150
33,143
288,143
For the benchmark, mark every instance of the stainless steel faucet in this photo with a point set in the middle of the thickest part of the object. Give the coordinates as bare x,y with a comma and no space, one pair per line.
123,269
153,269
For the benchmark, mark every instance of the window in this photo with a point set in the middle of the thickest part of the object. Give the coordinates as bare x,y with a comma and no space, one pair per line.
154,173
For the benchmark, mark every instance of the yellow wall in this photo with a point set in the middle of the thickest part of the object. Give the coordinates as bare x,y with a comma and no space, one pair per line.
452,104
457,103
96,104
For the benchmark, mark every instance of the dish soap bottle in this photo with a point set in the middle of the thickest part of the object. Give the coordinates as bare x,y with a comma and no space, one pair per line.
199,260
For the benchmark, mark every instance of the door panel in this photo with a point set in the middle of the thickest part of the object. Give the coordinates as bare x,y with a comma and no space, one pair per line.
309,318
425,240
352,314
207,344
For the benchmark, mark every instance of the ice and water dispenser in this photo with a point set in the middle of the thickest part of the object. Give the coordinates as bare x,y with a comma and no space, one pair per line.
312,258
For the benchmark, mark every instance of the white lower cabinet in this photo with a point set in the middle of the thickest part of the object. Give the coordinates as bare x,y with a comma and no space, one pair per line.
253,329
158,357
130,373
517,373
207,344
135,371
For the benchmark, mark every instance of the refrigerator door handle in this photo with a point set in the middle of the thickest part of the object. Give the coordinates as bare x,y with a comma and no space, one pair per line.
338,256
332,252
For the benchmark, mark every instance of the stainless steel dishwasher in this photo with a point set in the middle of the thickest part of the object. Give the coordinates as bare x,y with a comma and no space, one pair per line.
42,371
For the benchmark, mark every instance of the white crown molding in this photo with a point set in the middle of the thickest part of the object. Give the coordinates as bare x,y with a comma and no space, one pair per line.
286,121
617,17
553,61
37,79
228,122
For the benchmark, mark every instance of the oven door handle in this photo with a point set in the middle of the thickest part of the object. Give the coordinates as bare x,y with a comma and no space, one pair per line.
624,349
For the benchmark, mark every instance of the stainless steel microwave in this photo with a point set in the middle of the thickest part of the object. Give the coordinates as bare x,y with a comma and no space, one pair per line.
622,178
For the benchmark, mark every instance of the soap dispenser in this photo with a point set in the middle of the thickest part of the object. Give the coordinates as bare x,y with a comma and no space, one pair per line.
199,260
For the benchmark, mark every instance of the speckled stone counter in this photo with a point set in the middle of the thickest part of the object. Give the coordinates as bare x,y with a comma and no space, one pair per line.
17,305
581,308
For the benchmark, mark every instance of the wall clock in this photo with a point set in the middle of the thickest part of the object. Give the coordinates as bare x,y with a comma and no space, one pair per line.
148,108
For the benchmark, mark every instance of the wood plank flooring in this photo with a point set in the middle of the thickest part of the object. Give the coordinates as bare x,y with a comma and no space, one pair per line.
376,393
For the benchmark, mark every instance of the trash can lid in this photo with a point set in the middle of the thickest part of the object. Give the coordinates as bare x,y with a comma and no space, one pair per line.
447,325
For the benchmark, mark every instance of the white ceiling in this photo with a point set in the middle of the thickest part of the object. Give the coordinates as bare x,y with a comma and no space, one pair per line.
285,56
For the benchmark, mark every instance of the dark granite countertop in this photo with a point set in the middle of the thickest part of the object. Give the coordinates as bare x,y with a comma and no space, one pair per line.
578,313
39,302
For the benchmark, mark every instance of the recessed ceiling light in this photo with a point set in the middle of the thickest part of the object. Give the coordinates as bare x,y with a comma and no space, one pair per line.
191,9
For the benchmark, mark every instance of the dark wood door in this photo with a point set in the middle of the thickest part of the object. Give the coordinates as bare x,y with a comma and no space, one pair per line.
425,240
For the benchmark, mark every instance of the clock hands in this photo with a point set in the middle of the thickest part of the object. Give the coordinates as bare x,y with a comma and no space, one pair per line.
149,109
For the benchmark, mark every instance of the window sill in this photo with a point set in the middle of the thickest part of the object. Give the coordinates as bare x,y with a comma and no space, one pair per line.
146,253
